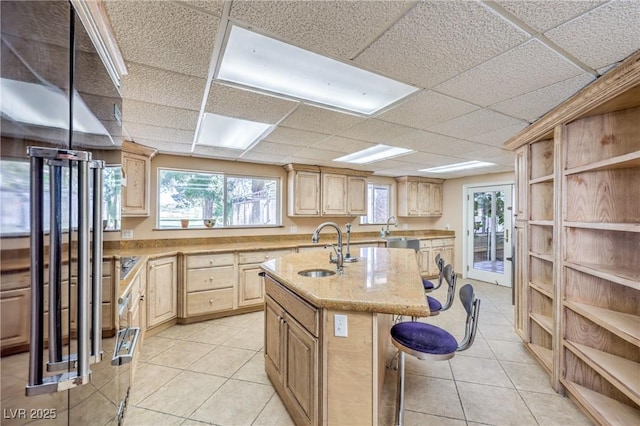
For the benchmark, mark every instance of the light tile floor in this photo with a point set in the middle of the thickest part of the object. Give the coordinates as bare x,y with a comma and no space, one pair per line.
213,372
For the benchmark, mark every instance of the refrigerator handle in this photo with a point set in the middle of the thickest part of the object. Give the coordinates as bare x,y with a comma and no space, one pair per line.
83,270
55,265
96,251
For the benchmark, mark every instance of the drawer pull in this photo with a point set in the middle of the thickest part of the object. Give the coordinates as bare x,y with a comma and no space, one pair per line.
211,301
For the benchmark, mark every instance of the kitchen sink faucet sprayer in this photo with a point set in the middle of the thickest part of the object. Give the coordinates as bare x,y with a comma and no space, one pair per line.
338,249
395,222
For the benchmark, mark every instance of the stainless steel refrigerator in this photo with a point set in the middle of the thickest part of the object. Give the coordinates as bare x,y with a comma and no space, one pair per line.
60,112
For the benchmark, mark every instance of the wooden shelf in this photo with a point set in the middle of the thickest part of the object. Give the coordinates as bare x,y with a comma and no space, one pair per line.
543,321
544,355
547,178
619,162
546,257
625,326
545,289
622,227
604,410
621,372
629,277
541,222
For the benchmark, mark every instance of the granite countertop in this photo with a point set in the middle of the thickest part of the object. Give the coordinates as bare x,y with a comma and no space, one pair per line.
383,281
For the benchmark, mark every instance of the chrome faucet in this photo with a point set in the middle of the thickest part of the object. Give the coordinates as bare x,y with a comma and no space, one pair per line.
339,260
395,222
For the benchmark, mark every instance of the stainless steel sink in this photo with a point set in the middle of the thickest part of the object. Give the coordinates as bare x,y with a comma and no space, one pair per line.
316,273
403,242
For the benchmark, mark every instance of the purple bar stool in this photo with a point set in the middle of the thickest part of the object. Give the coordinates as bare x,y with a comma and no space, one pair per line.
435,306
428,285
426,341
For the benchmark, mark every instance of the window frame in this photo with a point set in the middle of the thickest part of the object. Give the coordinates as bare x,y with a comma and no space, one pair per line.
370,202
225,175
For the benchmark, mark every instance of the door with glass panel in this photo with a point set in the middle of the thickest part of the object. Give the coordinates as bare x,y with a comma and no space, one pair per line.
489,219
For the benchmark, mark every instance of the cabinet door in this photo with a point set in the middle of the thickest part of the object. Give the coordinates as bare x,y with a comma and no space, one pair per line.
425,261
15,308
436,199
301,370
522,176
306,194
273,353
357,196
162,291
334,194
135,194
424,199
521,283
250,286
413,197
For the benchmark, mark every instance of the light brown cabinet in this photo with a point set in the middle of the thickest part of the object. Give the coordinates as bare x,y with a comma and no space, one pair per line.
209,283
162,291
429,249
137,314
304,191
136,176
357,195
250,283
577,239
334,194
419,196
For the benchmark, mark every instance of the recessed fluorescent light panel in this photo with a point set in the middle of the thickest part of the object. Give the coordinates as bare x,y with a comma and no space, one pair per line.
227,132
263,63
457,167
375,153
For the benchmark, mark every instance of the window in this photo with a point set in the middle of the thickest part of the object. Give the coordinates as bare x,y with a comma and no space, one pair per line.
378,209
197,199
14,197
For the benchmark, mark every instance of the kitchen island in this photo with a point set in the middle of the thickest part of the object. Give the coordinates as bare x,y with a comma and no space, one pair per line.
327,338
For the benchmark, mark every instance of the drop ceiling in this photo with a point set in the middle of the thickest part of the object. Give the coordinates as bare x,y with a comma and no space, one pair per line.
485,71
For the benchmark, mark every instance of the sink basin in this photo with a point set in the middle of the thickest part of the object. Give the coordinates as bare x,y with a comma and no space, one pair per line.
316,273
403,242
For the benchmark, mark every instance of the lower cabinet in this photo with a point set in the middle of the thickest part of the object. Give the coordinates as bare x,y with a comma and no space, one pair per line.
292,352
162,291
209,282
250,283
429,249
137,315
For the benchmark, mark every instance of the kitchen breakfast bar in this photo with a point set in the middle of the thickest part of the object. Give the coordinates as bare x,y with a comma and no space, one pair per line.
327,337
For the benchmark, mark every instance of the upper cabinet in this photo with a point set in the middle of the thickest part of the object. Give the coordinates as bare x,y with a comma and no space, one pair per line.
136,175
323,191
418,196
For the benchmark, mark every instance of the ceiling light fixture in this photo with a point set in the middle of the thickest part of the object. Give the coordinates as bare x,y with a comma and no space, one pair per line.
226,132
375,153
458,166
263,63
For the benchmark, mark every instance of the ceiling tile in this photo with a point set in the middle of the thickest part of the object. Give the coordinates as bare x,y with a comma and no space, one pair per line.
535,104
307,117
425,159
211,6
239,103
439,39
546,14
158,86
492,155
166,147
474,123
603,36
343,145
158,115
425,109
280,149
295,137
261,157
159,133
527,67
376,131
216,152
312,161
500,136
164,35
337,28
316,153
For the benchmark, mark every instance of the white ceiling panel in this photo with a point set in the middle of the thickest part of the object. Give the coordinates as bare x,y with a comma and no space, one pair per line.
316,153
164,35
500,136
492,155
238,103
474,123
210,6
159,115
215,152
603,36
425,109
526,68
438,39
426,159
376,131
546,14
320,120
261,157
337,28
159,133
158,86
166,147
295,137
275,148
343,145
535,104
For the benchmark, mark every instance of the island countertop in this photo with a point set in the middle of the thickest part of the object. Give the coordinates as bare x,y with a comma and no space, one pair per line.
383,281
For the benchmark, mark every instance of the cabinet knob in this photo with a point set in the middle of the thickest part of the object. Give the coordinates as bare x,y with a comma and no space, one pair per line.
211,301
266,257
211,262
210,278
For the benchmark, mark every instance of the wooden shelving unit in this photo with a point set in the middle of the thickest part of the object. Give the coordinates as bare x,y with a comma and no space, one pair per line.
581,270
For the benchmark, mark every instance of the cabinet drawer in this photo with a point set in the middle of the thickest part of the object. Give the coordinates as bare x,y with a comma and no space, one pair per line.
204,302
106,269
425,244
443,242
208,260
304,313
210,278
260,256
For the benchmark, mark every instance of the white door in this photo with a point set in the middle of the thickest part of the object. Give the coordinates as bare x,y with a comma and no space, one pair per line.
489,232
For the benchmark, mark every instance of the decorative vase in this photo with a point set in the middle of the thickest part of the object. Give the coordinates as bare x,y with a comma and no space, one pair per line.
184,222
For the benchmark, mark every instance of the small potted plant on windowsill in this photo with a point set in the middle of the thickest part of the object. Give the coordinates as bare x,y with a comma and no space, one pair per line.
184,223
210,223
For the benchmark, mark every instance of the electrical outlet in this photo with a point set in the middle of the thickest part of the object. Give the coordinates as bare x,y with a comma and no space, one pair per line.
127,234
340,325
